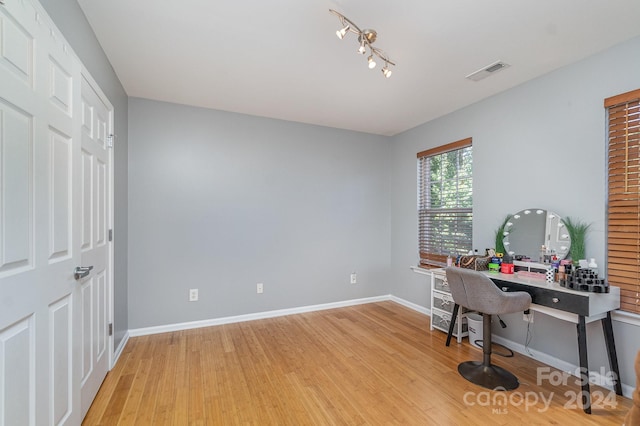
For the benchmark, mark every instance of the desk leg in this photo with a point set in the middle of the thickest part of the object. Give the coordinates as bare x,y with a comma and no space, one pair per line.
584,364
454,316
607,328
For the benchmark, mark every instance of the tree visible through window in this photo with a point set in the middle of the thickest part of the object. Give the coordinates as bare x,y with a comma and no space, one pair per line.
445,202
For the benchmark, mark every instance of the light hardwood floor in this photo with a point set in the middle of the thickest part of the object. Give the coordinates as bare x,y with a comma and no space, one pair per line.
369,364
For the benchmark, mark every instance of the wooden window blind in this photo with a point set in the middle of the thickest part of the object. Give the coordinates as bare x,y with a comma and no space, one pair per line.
445,203
623,213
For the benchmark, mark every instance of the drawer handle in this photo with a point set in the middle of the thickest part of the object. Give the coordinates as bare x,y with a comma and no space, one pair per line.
505,288
555,300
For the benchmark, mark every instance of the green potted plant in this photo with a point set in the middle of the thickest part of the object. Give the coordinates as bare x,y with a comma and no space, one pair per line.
500,235
577,232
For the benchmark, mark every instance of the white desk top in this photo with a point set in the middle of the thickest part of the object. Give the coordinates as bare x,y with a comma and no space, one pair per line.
599,303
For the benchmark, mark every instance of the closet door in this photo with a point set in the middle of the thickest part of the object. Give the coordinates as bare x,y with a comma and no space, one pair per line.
95,179
42,311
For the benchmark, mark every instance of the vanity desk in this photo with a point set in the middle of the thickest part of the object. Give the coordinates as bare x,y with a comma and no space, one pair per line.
578,307
539,234
542,235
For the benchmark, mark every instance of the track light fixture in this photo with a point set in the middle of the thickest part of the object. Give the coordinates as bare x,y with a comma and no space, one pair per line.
365,38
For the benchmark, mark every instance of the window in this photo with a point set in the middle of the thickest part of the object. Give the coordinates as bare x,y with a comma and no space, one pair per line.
623,213
445,203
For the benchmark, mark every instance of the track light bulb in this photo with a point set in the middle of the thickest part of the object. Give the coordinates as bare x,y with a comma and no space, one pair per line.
386,71
343,32
372,63
362,50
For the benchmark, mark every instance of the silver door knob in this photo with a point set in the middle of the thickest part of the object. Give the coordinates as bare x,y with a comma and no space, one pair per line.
81,272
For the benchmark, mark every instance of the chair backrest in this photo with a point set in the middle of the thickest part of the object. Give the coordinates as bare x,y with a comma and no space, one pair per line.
477,292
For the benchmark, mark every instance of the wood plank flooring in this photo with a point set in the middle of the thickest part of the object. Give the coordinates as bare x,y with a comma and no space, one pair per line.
369,364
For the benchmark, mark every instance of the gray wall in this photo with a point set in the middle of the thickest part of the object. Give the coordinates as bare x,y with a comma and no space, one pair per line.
542,144
70,19
221,201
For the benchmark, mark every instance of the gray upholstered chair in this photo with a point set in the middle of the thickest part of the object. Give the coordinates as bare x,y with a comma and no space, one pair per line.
475,291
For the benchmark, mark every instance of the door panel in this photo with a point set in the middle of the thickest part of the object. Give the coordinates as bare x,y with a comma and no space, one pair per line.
61,196
17,350
16,206
17,54
61,360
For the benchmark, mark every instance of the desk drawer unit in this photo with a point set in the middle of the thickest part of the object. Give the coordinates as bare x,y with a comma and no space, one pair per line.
440,282
443,301
568,302
442,306
442,320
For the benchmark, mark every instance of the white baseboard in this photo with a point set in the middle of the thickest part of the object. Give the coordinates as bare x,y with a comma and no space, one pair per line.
411,305
118,351
251,317
557,363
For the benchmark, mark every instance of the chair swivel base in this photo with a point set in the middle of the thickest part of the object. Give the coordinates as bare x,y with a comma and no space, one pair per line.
490,377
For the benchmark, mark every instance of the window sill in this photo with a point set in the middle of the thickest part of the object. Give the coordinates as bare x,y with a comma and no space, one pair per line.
420,270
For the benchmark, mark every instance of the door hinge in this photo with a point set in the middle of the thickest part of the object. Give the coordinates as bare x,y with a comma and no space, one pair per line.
110,234
110,329
110,139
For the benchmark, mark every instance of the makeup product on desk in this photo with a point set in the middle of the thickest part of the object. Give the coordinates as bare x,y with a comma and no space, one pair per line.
507,265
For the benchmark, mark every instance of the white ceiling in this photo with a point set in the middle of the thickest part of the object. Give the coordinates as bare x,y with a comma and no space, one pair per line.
281,58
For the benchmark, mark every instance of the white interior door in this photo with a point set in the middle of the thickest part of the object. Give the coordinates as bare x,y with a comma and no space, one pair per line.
47,318
37,250
95,248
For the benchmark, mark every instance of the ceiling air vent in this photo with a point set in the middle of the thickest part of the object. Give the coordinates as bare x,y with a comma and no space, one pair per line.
487,71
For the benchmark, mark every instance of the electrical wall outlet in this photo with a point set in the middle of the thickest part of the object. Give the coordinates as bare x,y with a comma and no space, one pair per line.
259,288
193,295
528,317
354,278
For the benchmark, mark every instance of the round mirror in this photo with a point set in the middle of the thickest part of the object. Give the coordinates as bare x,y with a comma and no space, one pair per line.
532,234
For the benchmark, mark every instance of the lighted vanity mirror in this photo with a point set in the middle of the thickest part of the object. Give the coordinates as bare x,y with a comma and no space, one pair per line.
528,230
